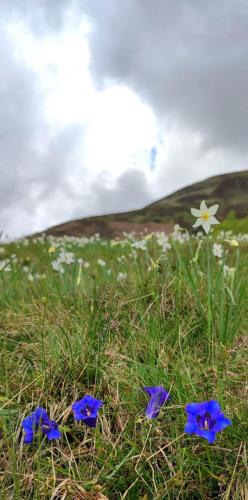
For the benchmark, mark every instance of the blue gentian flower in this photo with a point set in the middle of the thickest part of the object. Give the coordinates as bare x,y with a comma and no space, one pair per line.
86,409
158,397
205,419
40,420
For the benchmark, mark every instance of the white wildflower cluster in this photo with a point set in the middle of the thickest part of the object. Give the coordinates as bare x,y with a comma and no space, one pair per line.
63,258
121,258
121,276
34,277
133,254
233,239
83,263
139,244
218,250
229,271
101,262
163,241
179,234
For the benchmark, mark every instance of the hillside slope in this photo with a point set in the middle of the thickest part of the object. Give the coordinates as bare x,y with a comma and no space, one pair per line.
229,190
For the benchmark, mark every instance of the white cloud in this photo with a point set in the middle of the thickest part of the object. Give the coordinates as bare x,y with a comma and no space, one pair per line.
87,92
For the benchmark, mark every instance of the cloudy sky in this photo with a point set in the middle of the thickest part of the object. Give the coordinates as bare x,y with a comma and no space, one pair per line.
107,105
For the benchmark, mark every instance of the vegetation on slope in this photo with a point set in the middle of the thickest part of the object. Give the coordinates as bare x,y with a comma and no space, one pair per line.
229,190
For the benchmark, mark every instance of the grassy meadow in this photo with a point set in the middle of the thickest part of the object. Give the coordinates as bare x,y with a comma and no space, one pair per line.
87,316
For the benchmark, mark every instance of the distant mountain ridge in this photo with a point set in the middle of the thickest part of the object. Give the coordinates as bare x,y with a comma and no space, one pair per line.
229,190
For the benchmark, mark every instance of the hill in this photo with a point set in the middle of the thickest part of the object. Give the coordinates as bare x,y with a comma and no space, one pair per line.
229,190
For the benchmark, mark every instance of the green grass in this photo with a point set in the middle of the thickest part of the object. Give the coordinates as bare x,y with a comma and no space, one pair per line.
231,223
180,322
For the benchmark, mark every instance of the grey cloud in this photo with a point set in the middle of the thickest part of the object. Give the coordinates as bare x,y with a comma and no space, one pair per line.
33,176
40,15
188,59
130,191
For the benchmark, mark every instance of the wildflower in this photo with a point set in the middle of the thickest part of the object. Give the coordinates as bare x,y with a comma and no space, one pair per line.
158,397
40,420
148,236
86,409
229,271
51,249
56,265
179,234
218,250
163,241
233,243
154,264
205,419
140,244
121,276
205,216
66,257
101,262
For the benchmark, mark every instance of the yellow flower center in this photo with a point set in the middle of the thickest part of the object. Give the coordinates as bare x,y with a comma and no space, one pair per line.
205,216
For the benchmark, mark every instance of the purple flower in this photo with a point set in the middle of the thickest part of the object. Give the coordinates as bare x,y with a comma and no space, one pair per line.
86,409
158,397
40,420
205,419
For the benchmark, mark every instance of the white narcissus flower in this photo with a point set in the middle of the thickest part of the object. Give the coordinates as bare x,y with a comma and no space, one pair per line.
205,216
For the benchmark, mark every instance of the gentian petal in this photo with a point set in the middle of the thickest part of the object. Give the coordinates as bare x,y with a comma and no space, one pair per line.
213,407
209,435
76,408
93,403
151,390
28,424
53,434
40,415
190,427
90,421
158,397
196,409
28,437
51,429
221,423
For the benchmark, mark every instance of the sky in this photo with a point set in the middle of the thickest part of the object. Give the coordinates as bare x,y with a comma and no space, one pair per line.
108,105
